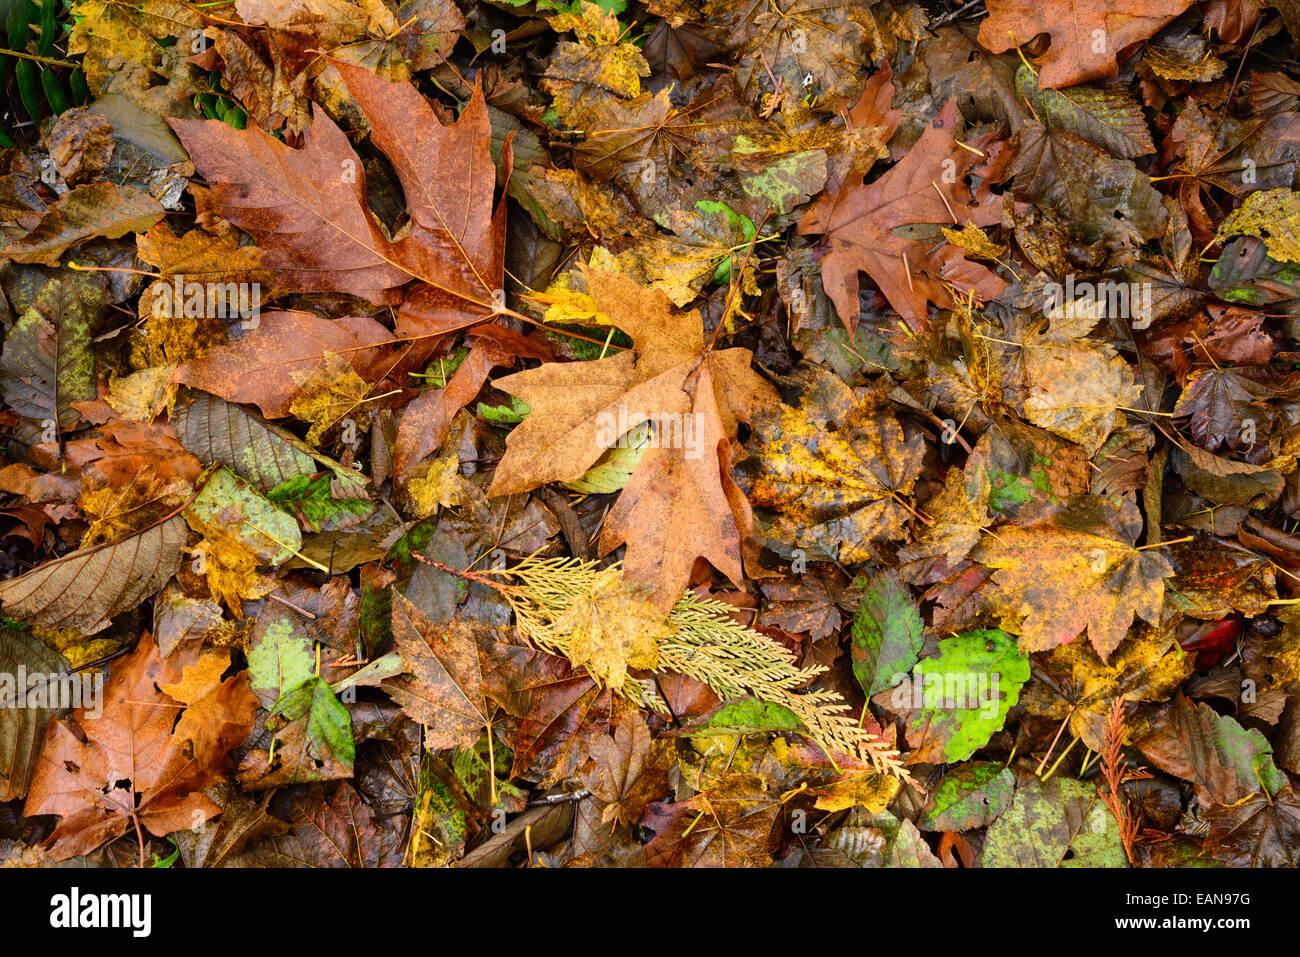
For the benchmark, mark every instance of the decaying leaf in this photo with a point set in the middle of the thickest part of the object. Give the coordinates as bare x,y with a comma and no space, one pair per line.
1079,570
444,691
86,588
837,474
135,764
689,433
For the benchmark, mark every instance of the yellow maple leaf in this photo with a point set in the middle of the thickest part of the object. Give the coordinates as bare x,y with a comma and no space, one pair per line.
867,788
230,568
1272,215
141,395
975,242
441,486
329,392
612,629
599,63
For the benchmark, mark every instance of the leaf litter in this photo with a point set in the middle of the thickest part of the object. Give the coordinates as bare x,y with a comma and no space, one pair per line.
654,434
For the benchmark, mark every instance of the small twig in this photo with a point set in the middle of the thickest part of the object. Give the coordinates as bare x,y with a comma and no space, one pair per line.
1241,63
480,577
957,14
955,220
125,649
956,433
288,604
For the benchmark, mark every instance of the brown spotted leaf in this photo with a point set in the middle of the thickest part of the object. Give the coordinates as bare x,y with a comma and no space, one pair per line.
305,207
628,770
837,471
1072,683
556,713
1077,570
444,690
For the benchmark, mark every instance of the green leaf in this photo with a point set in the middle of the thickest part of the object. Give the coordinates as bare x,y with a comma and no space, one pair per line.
80,91
1098,844
611,472
1007,491
372,674
440,824
956,701
511,414
1049,821
55,94
750,714
439,372
1246,275
280,659
310,498
228,500
375,614
49,27
969,796
1249,752
473,770
887,633
170,859
323,738
26,71
720,210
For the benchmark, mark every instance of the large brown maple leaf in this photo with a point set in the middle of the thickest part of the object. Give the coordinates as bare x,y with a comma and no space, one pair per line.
681,502
136,763
927,187
1087,35
307,208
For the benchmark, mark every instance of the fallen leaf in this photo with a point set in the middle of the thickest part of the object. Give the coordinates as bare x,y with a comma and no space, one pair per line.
444,691
1087,35
1077,570
693,398
135,763
928,186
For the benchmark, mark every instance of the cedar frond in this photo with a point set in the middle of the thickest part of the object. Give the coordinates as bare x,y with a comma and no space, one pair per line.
704,643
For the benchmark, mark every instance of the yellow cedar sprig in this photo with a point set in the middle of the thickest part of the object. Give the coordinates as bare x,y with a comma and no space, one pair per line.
704,643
